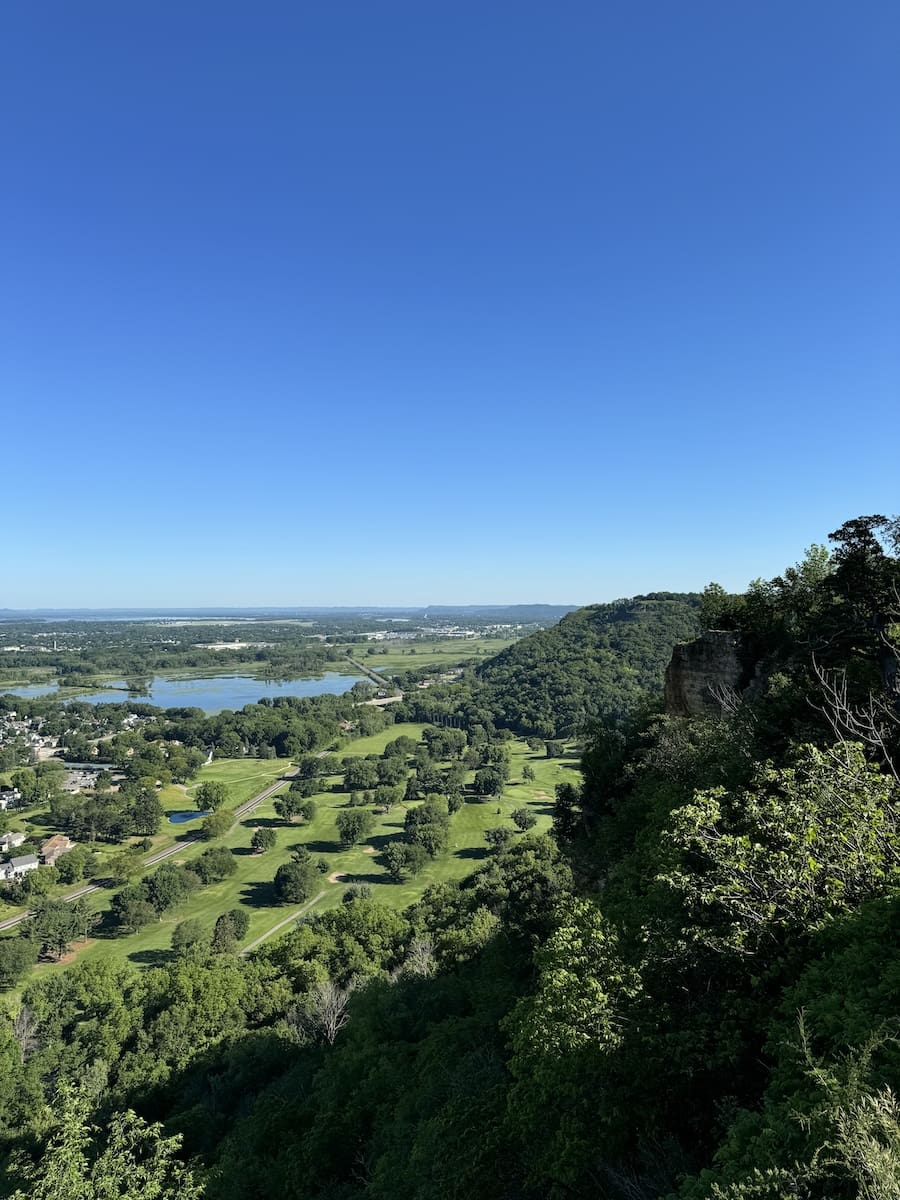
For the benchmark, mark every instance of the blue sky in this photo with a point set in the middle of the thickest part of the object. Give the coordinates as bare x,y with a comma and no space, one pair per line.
423,303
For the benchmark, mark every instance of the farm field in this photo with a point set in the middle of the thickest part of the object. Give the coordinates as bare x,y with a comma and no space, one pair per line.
251,886
442,654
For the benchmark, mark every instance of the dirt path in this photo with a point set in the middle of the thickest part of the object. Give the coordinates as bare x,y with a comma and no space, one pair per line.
281,924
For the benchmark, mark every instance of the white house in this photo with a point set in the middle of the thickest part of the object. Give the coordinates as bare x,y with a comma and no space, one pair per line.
10,797
10,840
17,867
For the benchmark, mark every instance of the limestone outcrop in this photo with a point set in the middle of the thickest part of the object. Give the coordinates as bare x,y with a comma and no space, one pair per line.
699,670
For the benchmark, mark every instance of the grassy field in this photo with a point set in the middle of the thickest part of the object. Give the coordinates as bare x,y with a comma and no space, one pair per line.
442,655
250,887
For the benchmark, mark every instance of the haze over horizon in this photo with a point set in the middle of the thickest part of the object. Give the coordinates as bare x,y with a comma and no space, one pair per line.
404,303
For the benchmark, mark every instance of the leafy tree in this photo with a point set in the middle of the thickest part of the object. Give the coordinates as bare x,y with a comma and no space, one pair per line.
499,837
307,786
295,882
188,936
240,919
145,811
353,825
263,839
400,747
132,910
523,818
359,774
17,955
217,824
215,864
402,860
211,796
287,806
123,866
805,842
428,826
229,929
357,891
391,771
135,1163
71,866
40,882
54,924
528,773
168,887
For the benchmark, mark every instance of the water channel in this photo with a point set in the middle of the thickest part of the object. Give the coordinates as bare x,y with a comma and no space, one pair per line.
212,694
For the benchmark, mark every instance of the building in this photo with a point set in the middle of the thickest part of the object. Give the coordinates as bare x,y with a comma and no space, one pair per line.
10,840
10,797
54,847
17,867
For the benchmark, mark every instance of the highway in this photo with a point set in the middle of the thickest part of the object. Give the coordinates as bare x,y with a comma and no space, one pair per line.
159,855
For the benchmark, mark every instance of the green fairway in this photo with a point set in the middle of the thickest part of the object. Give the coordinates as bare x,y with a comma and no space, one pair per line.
250,887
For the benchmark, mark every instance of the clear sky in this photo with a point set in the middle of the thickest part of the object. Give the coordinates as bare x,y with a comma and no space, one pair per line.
379,302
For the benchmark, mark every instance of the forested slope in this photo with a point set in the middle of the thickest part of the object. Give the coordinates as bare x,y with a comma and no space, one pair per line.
599,661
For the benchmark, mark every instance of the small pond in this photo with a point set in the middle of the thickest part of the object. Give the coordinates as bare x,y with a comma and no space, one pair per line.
181,818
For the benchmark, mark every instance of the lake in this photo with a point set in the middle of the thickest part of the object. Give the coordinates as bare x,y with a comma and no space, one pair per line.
211,694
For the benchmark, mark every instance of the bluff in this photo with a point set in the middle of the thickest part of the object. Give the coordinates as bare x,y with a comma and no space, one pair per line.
601,661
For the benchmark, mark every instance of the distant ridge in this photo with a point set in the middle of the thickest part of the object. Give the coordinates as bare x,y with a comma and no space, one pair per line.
521,612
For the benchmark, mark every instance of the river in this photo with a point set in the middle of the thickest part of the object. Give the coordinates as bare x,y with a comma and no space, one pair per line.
212,694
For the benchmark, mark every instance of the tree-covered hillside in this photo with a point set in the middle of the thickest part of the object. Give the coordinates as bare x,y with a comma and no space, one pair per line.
600,661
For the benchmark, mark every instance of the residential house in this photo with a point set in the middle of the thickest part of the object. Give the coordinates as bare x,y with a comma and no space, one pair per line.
10,797
17,867
10,840
54,847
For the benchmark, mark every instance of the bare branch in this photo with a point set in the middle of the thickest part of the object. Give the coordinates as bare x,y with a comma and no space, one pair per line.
875,724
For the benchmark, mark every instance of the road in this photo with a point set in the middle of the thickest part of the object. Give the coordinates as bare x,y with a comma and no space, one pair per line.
158,855
379,679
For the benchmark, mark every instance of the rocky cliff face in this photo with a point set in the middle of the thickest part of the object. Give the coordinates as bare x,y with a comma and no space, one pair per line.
699,668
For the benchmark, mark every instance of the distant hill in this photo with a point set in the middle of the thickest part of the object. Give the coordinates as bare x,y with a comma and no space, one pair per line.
598,661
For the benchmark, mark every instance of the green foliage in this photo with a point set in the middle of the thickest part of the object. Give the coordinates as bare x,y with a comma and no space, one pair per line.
17,954
523,819
135,1163
599,661
428,826
54,924
611,1012
263,839
806,842
295,882
217,824
188,936
215,864
210,796
402,860
499,837
353,825
230,929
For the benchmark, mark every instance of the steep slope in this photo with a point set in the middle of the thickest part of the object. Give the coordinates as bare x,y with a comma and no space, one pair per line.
598,661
